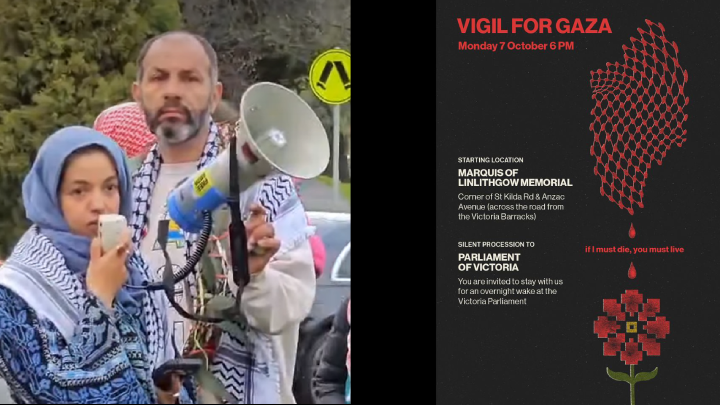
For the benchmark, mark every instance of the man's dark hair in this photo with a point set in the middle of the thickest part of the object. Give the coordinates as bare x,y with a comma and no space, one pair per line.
209,51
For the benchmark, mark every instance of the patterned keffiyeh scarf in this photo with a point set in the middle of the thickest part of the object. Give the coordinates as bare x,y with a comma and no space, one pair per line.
36,271
246,367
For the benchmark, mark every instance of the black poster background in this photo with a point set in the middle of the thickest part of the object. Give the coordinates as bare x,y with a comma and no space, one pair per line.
537,105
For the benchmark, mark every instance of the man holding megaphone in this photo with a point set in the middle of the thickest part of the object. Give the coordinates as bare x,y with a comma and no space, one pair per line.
185,171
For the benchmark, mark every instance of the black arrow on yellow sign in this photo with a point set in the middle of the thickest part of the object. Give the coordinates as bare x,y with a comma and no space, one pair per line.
325,75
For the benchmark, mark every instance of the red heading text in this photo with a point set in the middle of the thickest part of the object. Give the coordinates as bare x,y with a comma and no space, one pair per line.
534,26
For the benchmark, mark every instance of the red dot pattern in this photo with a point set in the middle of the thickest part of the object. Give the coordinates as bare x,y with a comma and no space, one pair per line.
638,114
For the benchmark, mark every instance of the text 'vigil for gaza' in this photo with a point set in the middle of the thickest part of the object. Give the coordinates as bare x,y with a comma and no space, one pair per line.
534,26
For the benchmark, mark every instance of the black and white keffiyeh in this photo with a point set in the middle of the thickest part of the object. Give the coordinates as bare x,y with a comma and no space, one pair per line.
246,367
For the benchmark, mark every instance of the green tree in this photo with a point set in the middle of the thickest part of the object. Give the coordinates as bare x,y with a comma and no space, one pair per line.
268,40
325,113
276,41
61,63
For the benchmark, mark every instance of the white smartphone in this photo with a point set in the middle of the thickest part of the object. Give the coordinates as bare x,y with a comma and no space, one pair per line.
110,229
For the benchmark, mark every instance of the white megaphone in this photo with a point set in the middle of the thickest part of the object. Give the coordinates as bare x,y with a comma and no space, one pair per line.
277,130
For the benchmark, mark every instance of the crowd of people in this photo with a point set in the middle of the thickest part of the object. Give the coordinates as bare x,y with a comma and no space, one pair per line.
76,326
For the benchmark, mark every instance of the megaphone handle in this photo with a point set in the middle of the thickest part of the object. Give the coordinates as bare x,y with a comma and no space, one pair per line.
239,252
237,231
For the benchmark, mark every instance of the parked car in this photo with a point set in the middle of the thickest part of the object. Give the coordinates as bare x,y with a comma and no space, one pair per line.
333,286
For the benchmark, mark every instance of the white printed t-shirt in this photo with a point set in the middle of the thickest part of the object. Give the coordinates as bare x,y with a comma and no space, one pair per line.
169,177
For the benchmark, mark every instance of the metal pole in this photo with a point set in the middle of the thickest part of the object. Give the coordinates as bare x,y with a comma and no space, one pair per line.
336,152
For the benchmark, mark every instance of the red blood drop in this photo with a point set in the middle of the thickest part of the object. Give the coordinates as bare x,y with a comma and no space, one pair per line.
631,233
632,273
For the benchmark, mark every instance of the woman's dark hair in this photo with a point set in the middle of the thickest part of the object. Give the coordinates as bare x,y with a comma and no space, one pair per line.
85,150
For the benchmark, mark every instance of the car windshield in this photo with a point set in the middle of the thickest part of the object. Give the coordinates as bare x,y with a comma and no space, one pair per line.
335,235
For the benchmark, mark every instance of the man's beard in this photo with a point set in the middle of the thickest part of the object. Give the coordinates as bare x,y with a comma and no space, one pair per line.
175,132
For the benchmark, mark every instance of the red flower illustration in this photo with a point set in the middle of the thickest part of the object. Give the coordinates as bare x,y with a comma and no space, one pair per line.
631,328
619,326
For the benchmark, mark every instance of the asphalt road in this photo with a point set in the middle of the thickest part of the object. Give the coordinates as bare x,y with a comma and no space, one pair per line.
317,196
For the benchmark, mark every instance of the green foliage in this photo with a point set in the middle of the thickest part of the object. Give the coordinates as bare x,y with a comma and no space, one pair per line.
61,63
325,113
64,61
268,40
276,41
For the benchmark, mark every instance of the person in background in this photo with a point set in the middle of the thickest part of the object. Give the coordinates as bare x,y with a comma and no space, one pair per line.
331,379
70,330
316,243
177,88
125,124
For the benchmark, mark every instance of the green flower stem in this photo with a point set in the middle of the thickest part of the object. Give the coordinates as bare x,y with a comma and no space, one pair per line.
632,378
632,384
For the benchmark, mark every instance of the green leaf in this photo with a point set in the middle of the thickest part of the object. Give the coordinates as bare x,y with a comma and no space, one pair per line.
208,383
646,376
221,220
618,376
225,243
208,273
216,258
220,303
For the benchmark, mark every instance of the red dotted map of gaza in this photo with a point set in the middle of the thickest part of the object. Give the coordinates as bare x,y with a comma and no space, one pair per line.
638,114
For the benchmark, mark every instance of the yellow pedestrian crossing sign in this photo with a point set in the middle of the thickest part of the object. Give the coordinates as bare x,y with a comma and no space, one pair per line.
330,76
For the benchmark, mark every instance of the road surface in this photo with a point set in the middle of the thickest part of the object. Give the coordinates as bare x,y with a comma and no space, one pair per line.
317,196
